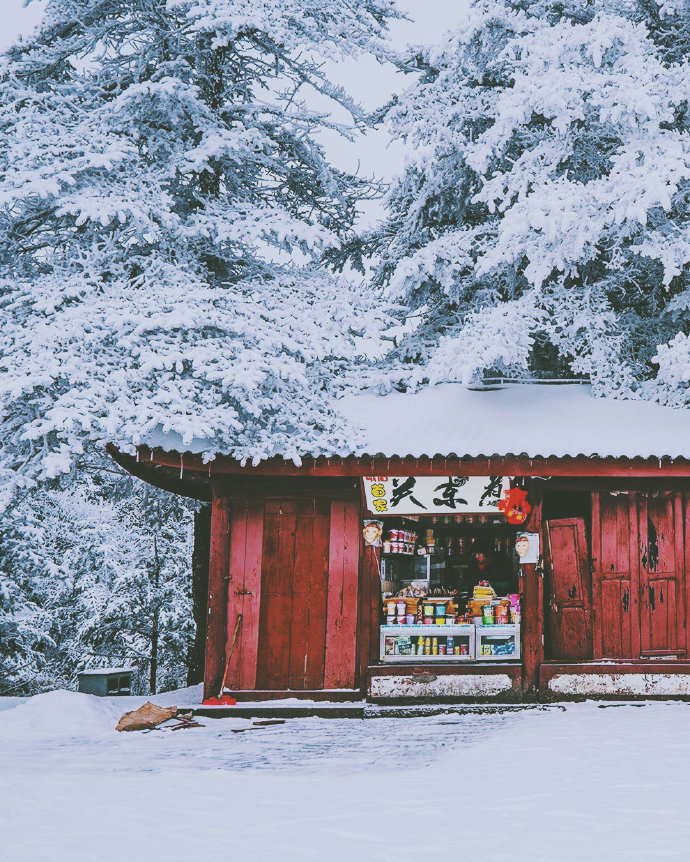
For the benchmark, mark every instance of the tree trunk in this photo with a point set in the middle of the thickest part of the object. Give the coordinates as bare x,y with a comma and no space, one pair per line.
153,672
200,562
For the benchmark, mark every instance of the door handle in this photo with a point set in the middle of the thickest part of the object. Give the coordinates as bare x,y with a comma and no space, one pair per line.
651,598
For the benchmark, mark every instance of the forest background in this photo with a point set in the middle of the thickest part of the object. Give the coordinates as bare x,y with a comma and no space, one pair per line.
218,216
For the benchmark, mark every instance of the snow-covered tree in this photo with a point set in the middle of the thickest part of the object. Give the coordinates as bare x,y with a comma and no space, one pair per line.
541,224
98,573
163,206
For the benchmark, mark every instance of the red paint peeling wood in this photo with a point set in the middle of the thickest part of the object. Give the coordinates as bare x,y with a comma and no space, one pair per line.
343,569
567,590
278,566
244,590
217,597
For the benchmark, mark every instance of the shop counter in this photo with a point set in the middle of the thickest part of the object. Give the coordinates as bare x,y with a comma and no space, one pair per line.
451,643
403,643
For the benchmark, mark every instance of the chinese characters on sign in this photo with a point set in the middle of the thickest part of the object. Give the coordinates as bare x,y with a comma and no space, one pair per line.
408,495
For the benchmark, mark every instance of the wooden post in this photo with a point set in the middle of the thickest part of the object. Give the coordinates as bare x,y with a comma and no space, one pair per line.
201,556
216,616
532,607
532,630
369,613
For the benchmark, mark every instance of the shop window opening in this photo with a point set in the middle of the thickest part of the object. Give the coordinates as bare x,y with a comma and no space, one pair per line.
450,588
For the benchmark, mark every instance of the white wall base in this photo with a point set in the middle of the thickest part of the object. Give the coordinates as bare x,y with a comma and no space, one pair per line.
448,685
630,684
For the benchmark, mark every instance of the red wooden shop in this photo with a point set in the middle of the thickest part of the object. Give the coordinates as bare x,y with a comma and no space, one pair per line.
598,606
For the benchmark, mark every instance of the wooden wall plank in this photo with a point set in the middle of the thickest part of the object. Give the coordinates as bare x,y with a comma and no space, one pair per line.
214,665
251,598
318,597
597,622
343,572
276,595
236,576
303,578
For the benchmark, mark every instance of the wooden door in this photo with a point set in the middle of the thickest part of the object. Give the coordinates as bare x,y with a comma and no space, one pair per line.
639,592
615,577
568,590
307,626
662,600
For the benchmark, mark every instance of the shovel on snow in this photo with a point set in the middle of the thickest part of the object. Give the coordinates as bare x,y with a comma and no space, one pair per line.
223,700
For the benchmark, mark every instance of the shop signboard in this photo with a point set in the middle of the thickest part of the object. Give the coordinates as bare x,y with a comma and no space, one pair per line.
421,495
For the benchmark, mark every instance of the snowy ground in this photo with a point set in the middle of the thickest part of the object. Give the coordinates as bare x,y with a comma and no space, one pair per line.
575,783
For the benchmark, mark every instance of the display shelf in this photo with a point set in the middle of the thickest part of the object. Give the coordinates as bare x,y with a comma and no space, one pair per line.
405,638
502,637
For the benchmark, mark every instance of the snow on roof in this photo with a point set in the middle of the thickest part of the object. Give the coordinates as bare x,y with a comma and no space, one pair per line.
530,419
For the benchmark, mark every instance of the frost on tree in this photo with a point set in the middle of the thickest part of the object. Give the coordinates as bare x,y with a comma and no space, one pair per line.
541,224
163,208
95,571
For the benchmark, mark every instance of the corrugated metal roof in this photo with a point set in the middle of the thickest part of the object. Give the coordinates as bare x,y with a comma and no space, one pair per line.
533,420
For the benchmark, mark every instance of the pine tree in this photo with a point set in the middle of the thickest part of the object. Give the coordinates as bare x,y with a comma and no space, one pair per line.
541,224
159,179
99,573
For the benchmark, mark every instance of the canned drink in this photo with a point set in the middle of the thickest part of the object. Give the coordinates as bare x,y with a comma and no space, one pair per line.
463,649
441,649
458,651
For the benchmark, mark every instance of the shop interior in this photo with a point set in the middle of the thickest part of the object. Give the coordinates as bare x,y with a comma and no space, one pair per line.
450,588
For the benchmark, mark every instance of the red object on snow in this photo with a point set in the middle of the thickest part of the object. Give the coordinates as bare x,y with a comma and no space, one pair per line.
515,506
225,700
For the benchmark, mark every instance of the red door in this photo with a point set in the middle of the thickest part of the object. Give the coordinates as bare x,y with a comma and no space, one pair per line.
638,575
568,587
615,576
662,614
303,628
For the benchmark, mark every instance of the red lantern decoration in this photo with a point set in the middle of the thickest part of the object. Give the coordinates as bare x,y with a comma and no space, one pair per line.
515,506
